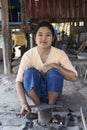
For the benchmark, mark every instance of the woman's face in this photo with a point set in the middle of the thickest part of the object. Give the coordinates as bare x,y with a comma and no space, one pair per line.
44,37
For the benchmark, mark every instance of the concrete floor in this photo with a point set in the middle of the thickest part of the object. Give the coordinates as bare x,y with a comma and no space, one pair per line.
73,97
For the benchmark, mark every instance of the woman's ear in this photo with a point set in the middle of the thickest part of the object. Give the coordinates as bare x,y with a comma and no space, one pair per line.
54,38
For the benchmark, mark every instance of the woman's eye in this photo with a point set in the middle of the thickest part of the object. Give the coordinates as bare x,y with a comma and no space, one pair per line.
39,34
49,35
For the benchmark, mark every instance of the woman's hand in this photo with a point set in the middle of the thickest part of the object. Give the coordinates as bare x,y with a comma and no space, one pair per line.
25,109
47,67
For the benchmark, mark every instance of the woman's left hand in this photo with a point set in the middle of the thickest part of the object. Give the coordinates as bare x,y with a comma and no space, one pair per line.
47,67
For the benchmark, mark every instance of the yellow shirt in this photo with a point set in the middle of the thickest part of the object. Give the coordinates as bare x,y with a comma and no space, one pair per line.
32,58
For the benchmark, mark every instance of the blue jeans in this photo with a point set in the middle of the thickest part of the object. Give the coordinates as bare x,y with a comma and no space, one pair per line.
52,81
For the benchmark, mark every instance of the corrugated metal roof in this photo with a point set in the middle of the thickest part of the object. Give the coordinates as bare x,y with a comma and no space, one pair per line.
55,9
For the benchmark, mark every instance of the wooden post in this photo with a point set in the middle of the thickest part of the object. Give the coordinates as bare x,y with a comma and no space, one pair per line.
85,13
7,46
23,13
23,17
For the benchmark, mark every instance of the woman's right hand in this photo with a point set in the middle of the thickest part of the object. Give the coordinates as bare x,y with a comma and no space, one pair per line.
25,109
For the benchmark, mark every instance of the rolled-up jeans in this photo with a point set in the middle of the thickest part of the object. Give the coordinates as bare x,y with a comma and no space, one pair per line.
52,81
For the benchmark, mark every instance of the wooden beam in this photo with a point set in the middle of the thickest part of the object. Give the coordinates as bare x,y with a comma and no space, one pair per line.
23,18
85,13
7,45
23,13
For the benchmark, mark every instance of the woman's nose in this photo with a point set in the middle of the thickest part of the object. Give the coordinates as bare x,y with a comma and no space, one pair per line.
44,37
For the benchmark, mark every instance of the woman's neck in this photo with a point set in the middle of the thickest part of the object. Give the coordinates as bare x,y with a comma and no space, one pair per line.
44,53
44,50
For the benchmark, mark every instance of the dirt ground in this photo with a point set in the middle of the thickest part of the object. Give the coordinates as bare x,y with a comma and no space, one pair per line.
73,97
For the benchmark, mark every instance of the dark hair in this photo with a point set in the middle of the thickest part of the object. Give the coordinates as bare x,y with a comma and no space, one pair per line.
44,24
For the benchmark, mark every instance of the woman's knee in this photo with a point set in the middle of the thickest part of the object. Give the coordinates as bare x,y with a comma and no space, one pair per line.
30,78
54,79
30,71
55,71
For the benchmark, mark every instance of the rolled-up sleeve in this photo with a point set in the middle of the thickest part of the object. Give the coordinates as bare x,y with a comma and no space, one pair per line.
25,62
66,63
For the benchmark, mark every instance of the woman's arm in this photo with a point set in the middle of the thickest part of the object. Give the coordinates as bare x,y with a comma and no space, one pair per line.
25,107
68,75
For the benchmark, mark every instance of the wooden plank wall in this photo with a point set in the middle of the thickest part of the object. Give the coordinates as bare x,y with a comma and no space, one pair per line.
58,9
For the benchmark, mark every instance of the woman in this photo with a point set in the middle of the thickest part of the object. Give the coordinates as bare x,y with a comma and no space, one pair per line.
43,69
